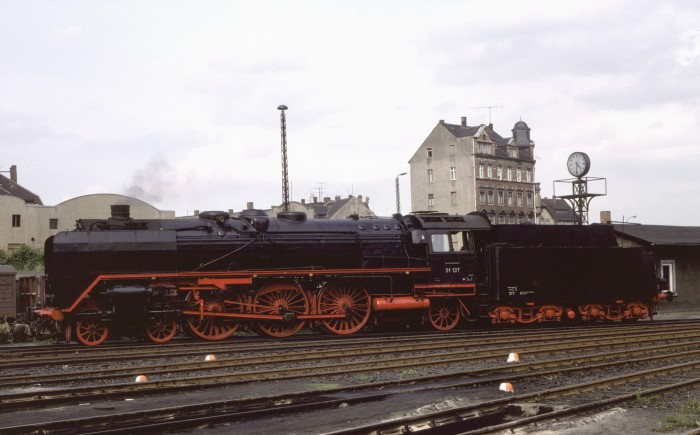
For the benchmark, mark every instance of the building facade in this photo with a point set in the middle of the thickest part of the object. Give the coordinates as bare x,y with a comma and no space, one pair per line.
328,208
25,220
460,169
556,211
676,253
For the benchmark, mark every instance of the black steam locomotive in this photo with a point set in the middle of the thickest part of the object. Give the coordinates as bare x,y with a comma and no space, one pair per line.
212,274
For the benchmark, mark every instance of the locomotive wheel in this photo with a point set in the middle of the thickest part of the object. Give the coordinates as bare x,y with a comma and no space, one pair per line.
91,331
283,298
210,327
344,298
443,313
161,329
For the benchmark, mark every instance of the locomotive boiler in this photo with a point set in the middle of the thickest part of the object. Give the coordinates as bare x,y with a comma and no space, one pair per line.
213,274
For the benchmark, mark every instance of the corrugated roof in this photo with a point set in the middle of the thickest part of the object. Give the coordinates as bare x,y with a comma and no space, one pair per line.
660,234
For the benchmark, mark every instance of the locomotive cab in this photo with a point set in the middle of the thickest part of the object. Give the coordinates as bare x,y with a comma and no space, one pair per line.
449,241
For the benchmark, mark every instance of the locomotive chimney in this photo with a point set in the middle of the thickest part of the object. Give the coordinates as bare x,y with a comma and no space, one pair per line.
13,173
120,212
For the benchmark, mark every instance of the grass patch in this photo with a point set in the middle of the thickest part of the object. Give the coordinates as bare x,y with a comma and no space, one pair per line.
409,373
641,400
687,417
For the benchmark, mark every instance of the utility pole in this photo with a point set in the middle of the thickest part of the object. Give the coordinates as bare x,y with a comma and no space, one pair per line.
488,107
285,177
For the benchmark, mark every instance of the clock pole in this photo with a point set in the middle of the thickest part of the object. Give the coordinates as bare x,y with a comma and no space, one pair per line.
580,198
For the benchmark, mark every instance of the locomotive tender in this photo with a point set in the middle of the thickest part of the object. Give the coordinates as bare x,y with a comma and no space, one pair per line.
214,273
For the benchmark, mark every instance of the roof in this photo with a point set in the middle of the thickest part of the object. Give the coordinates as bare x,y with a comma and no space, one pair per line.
660,234
559,209
459,130
10,188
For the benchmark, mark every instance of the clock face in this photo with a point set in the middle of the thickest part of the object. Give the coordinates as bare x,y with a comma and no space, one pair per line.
578,164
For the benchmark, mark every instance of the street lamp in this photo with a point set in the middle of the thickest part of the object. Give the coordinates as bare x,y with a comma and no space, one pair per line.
624,221
398,195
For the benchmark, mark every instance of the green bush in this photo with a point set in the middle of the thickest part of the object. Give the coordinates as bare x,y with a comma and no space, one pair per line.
23,259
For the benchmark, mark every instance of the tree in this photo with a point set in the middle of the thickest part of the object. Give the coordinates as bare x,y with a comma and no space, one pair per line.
23,259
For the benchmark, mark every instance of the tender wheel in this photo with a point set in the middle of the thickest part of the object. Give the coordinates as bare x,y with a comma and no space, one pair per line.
352,300
91,331
161,329
443,313
210,327
283,298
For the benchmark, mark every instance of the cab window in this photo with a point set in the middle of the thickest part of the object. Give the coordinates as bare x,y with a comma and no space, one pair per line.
454,241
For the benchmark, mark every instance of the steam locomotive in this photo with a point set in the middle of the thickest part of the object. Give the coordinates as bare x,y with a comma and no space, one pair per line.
213,274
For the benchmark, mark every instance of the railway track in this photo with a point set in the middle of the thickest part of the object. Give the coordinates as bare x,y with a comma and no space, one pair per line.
480,364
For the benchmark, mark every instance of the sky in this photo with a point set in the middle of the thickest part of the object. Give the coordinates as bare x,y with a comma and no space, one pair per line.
175,102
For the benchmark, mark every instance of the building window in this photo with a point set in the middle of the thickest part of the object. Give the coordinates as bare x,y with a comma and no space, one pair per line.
430,153
513,152
483,148
430,175
531,218
453,173
481,171
510,174
482,197
530,202
499,173
53,224
668,272
489,195
511,217
501,198
489,172
501,217
520,199
528,176
16,221
521,217
518,175
431,202
510,198
453,198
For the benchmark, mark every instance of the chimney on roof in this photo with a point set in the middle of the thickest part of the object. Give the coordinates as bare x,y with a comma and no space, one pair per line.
490,126
13,173
337,197
303,201
249,205
367,200
605,217
442,121
464,121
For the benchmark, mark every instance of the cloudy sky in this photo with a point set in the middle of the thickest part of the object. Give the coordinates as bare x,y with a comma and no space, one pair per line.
175,102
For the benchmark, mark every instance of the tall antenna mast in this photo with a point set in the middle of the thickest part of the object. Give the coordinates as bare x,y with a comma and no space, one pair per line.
285,177
488,107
